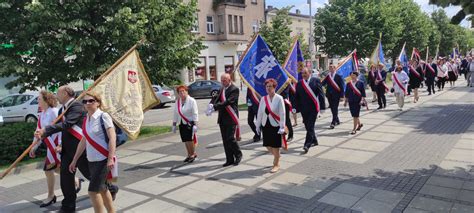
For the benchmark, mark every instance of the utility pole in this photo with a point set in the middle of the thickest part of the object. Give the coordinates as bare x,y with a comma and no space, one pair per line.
310,31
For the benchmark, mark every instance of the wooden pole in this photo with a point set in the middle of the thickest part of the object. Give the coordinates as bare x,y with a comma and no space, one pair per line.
14,164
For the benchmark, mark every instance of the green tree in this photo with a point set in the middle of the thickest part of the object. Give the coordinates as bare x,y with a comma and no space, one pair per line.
72,40
447,32
277,34
467,8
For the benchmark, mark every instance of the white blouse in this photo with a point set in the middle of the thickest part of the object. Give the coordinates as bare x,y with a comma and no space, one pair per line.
403,78
278,107
188,108
442,71
95,131
47,117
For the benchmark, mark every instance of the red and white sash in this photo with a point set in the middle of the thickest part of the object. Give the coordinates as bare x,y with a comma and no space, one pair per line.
292,88
311,94
75,130
254,97
232,114
379,77
332,83
413,70
453,70
287,102
51,142
397,81
430,69
178,103
92,140
357,92
277,118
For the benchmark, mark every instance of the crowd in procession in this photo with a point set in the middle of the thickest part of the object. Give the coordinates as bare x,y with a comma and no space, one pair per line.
84,137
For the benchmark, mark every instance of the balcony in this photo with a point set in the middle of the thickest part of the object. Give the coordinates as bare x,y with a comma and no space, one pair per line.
235,3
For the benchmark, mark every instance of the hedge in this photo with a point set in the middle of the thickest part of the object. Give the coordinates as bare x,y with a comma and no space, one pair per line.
14,139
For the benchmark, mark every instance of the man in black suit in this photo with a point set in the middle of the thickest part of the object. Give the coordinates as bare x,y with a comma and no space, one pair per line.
309,101
252,109
430,74
334,92
226,103
70,128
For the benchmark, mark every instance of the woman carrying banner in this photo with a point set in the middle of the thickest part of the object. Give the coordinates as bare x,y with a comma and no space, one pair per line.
100,152
400,80
355,95
416,77
371,82
47,103
186,114
271,117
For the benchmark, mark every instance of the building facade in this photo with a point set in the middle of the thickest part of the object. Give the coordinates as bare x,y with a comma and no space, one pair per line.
227,26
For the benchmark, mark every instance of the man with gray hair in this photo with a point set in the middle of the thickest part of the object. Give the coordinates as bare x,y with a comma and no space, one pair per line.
470,71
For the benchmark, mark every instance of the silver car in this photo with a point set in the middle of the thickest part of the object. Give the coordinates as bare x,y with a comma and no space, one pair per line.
19,107
165,94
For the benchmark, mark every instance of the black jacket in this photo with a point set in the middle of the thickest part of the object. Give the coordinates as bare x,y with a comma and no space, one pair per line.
232,99
304,102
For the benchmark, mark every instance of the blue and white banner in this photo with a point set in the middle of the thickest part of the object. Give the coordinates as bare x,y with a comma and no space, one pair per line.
404,59
294,62
258,64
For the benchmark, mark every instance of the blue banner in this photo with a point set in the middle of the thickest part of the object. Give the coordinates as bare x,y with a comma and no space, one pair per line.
404,60
259,64
294,62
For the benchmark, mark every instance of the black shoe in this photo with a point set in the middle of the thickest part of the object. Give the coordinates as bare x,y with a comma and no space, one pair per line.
360,127
289,139
380,107
113,190
237,160
338,123
429,93
48,203
226,164
305,149
192,158
314,144
331,126
187,159
256,138
78,189
64,209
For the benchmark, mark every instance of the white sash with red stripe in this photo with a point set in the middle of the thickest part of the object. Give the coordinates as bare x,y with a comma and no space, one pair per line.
75,130
232,114
397,81
332,83
277,118
51,142
379,77
100,148
178,106
413,70
311,94
354,89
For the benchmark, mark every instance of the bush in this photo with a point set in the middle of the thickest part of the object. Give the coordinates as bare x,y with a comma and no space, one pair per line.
14,139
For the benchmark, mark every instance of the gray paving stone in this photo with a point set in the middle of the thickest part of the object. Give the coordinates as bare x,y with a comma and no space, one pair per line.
429,204
413,210
373,206
439,191
468,185
339,199
352,189
466,195
445,182
460,208
384,196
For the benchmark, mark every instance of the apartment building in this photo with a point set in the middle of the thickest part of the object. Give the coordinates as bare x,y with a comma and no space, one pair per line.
227,26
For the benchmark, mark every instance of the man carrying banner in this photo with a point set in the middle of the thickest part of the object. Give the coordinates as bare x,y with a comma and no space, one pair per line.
381,87
430,75
334,92
400,80
252,108
309,101
226,103
71,135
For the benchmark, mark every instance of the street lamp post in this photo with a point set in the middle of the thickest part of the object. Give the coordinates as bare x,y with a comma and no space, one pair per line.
310,30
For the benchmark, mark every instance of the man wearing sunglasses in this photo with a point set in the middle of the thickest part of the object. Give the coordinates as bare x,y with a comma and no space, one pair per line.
70,127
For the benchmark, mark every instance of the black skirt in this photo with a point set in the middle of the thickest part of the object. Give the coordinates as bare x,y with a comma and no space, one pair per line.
186,132
354,107
98,171
271,138
452,76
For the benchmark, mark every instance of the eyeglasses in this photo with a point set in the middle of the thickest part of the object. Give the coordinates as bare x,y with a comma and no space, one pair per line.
90,101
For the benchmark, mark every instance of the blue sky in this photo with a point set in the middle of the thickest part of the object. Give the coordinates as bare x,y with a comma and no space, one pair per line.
304,7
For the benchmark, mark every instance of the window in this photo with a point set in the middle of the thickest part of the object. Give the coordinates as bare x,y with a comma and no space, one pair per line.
210,24
34,102
212,68
8,101
236,25
254,1
22,99
195,27
255,27
241,24
230,24
220,24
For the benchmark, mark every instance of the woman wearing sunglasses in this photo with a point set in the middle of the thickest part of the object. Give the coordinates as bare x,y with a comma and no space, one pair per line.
100,153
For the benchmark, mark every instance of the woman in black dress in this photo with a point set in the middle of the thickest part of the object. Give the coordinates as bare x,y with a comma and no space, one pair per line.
416,77
355,95
371,82
271,118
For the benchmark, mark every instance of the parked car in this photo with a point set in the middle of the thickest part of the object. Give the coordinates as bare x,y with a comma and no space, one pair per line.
19,107
165,94
204,89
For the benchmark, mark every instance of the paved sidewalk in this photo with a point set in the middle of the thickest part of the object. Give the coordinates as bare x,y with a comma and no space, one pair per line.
418,160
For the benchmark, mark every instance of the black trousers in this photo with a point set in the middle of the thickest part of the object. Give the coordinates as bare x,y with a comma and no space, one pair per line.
430,85
380,90
441,82
67,180
251,116
309,121
334,105
231,147
288,121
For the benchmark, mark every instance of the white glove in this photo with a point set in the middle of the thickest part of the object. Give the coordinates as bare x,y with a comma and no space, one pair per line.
195,129
210,107
293,110
281,131
173,129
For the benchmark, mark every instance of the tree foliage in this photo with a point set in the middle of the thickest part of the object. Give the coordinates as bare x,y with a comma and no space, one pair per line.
277,34
91,36
467,8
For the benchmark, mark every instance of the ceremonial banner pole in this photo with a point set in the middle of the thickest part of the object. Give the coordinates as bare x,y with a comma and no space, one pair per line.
15,163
